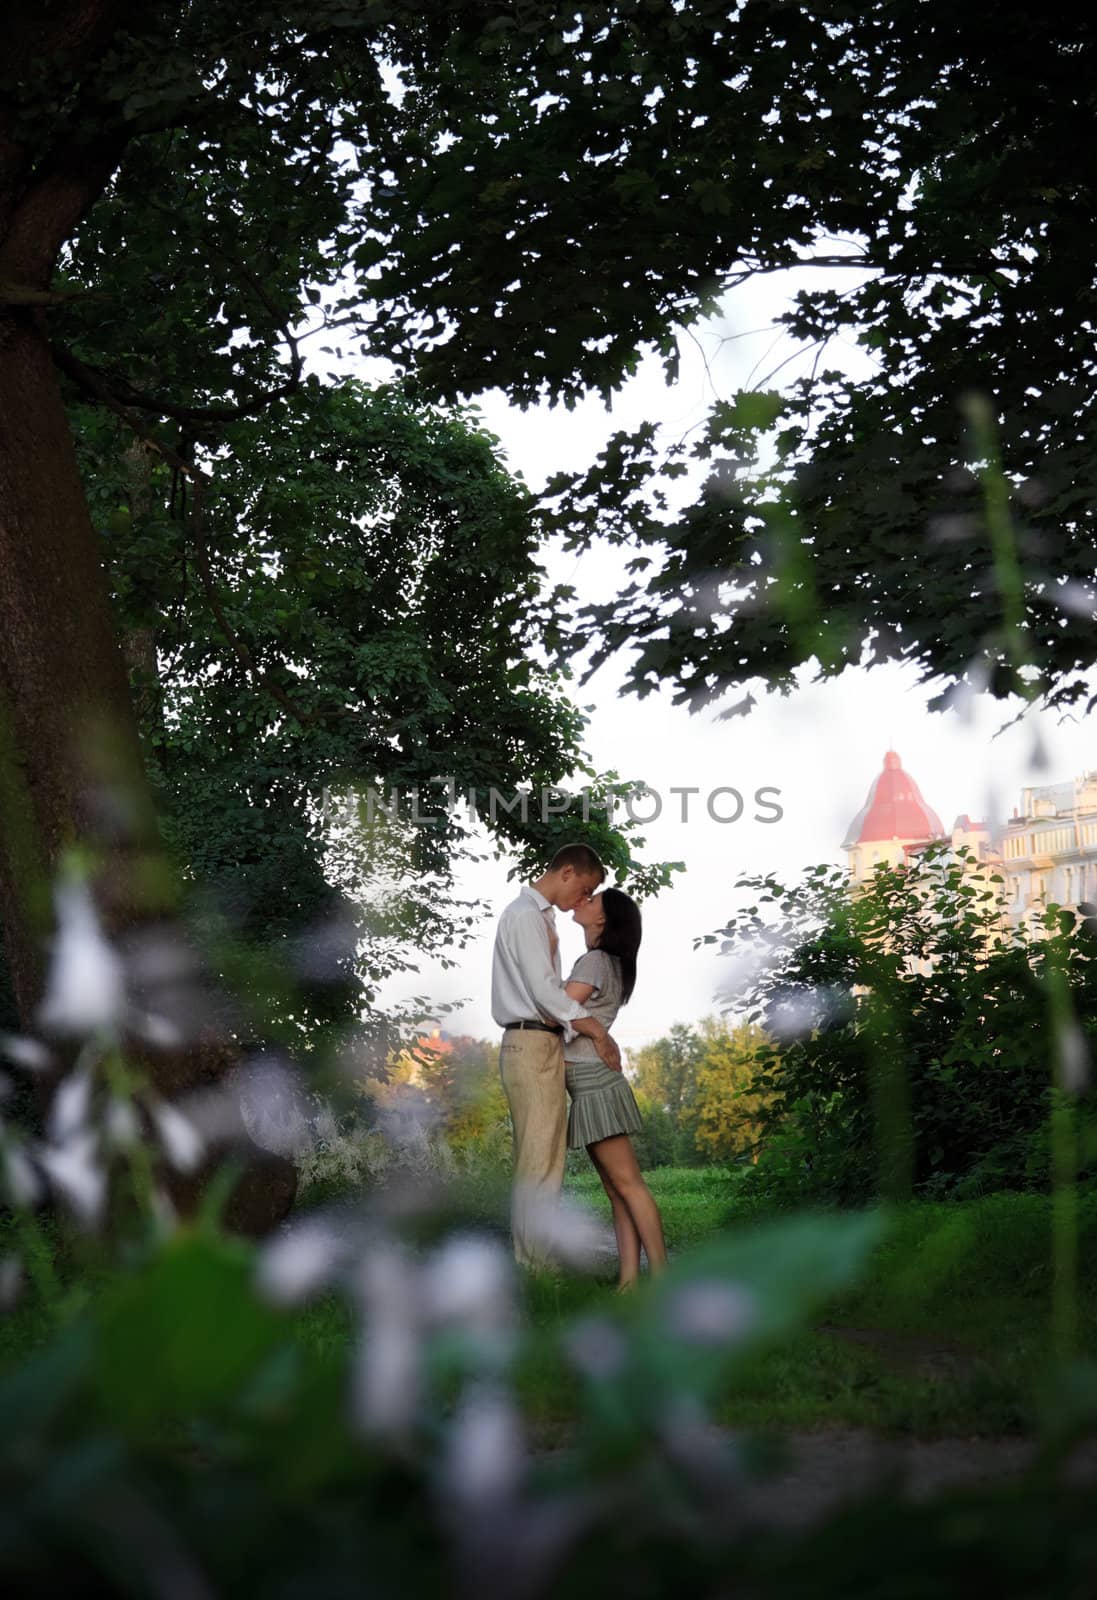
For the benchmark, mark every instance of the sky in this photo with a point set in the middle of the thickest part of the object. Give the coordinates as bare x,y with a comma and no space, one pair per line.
819,748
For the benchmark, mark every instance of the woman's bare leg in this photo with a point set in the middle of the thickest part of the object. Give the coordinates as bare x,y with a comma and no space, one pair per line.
628,1240
616,1161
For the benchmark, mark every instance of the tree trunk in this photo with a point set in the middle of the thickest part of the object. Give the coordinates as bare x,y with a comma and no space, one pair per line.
69,732
70,764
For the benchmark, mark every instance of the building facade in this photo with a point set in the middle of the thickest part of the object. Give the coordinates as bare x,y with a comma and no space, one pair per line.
1046,854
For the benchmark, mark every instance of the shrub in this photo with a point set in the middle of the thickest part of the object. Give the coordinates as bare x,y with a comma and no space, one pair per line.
910,1035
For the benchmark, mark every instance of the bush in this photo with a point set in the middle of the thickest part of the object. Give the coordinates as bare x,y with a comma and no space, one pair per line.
910,1037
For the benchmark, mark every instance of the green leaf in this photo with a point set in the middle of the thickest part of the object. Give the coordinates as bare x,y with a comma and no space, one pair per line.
183,1335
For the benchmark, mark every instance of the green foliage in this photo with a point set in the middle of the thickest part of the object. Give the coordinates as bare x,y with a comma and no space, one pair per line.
182,1405
531,199
181,1402
930,179
666,1086
320,587
914,1044
946,1333
695,1090
544,198
728,1107
375,564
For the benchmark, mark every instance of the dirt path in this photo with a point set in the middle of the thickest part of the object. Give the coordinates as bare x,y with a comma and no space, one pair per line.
831,1465
835,1465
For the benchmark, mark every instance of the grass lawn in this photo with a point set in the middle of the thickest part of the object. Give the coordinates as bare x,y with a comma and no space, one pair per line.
694,1201
949,1333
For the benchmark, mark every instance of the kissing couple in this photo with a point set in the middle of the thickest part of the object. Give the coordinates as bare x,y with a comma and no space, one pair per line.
557,1044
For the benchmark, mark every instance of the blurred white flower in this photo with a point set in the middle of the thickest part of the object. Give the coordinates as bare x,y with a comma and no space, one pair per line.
70,1110
272,1105
1076,599
163,1212
560,1229
1072,1051
215,1113
485,1450
21,1179
157,956
157,1030
710,1312
31,1054
596,1348
386,1375
75,1173
183,1144
701,1451
323,952
746,962
953,529
170,1003
121,1124
299,1263
11,1281
85,988
794,1013
406,1118
468,1286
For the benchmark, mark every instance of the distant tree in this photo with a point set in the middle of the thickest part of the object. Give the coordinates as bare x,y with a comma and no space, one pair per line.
695,1091
448,1083
666,1084
728,1104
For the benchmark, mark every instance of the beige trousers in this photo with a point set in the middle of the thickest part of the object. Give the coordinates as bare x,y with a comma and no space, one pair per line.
531,1065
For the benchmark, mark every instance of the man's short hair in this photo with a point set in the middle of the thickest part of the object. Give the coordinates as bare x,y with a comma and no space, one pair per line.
581,857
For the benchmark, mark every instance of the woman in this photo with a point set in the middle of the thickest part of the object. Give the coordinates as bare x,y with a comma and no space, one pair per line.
603,1109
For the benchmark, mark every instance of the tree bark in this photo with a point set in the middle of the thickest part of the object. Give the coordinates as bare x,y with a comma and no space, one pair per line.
71,772
70,740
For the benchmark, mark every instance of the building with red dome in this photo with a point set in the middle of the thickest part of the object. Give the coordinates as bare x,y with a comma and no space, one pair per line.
1048,848
893,820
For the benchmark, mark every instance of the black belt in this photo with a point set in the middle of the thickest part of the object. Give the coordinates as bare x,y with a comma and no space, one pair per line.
540,1027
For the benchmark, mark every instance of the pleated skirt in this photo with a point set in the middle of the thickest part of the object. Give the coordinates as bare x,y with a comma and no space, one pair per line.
602,1103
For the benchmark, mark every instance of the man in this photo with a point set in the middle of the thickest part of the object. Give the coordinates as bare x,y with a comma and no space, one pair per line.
537,1017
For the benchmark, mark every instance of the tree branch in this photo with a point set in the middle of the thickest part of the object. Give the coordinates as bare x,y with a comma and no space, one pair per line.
26,294
56,200
159,405
124,394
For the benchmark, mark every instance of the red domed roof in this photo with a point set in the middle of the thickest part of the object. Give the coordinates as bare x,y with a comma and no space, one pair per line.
894,809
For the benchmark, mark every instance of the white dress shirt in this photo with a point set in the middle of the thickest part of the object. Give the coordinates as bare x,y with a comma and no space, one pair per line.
526,980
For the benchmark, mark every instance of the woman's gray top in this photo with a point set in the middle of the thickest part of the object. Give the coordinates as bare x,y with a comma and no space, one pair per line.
604,972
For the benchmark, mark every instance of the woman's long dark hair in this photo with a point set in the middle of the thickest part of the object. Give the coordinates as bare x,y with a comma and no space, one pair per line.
621,935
